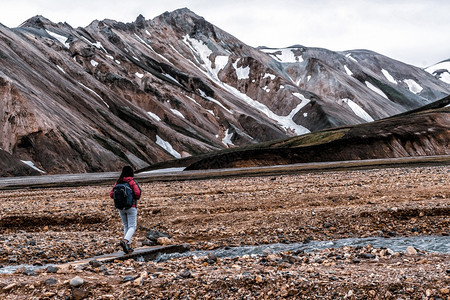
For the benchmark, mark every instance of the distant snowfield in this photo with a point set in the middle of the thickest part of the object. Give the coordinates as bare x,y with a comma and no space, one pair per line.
94,63
150,47
242,73
227,139
178,113
201,50
376,90
285,121
203,94
154,116
443,66
358,110
285,55
61,69
388,76
92,91
62,39
347,70
167,146
171,78
349,55
268,75
413,86
31,164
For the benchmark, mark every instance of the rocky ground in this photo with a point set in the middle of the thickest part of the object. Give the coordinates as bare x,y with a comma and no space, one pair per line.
59,225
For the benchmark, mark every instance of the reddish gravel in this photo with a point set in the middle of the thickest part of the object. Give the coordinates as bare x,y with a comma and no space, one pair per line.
58,225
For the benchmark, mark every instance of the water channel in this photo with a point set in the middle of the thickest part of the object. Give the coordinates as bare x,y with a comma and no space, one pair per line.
434,244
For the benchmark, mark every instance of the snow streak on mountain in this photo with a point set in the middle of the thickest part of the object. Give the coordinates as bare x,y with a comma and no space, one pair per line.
96,98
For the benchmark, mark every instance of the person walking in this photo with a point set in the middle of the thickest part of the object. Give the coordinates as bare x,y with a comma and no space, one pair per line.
128,215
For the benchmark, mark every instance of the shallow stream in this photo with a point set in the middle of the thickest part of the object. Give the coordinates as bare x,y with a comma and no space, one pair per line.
436,244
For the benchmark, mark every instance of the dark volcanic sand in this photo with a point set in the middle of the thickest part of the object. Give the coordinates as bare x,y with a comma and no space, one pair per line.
42,226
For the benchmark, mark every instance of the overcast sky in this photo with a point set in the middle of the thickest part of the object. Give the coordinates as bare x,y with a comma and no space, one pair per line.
413,31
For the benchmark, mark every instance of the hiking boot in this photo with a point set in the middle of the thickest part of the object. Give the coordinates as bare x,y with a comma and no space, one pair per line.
124,246
130,249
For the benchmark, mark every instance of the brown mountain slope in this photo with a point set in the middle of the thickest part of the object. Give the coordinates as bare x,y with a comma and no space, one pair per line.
11,166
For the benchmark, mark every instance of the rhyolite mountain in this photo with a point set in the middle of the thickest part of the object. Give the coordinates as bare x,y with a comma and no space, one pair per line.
420,133
95,98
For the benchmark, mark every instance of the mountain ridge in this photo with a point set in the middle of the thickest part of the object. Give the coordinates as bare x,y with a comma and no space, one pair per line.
139,93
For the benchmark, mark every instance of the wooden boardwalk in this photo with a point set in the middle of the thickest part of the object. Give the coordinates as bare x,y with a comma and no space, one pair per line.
147,252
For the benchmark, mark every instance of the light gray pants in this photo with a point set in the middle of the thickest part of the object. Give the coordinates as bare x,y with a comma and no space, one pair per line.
129,220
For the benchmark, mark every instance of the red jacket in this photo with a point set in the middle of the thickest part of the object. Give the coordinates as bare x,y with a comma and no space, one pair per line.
134,187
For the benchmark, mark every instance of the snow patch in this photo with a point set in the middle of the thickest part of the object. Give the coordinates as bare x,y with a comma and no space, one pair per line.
227,139
266,89
201,50
171,78
60,38
268,75
94,63
154,116
242,73
304,100
358,110
284,55
167,146
388,76
150,47
376,90
140,75
31,164
61,69
203,94
285,121
99,45
347,70
178,113
441,70
349,55
92,91
173,48
193,100
413,86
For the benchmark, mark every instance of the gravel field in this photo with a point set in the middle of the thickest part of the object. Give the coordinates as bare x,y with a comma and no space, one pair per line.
59,225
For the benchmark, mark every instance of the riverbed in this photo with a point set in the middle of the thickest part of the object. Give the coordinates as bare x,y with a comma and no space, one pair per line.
52,226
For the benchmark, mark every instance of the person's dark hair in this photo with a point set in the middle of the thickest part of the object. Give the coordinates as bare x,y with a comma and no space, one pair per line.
127,171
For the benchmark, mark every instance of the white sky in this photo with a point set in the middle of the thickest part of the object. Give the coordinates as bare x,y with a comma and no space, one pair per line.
412,31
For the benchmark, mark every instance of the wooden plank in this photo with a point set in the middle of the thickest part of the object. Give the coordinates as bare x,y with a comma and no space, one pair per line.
148,252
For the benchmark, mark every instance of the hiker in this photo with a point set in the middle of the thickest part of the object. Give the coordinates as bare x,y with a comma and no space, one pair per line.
127,211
